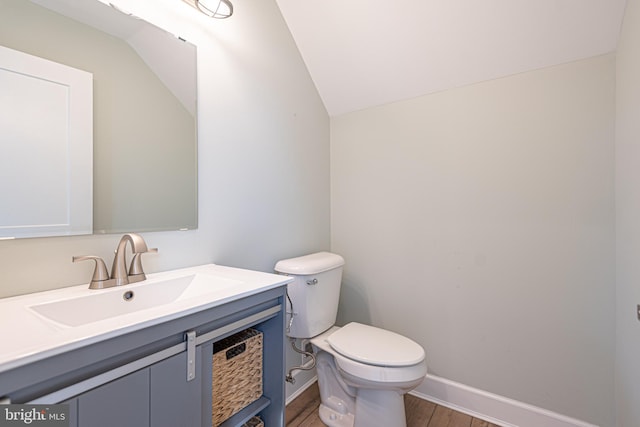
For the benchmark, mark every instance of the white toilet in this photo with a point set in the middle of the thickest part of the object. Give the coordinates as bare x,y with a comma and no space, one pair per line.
363,371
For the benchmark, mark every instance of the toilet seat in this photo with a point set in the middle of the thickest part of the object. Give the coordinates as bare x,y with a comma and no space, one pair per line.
374,346
377,373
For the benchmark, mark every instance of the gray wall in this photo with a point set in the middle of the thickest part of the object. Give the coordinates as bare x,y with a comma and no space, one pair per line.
479,221
628,219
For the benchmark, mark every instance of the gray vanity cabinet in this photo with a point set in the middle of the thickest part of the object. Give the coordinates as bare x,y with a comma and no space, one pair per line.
159,396
123,402
170,390
140,378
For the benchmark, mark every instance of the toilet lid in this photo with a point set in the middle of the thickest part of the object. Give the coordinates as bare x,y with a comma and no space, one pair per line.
375,346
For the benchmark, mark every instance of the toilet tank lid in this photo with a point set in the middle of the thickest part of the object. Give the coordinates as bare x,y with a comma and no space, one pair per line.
310,264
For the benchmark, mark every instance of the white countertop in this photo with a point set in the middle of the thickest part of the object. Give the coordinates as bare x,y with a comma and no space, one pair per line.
27,336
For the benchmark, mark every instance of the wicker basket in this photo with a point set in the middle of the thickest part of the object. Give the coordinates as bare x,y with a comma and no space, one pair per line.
237,373
254,422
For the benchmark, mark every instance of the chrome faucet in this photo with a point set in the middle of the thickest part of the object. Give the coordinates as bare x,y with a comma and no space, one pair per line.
119,274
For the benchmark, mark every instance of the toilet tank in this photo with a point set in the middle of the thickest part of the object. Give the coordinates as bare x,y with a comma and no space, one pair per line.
314,292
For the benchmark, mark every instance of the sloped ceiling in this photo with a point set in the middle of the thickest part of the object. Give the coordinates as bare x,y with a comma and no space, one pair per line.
363,53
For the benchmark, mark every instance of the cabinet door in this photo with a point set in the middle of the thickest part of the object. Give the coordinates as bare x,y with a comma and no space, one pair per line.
175,402
73,411
122,403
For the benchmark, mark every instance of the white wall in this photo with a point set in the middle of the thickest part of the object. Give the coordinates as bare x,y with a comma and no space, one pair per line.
263,157
479,221
628,219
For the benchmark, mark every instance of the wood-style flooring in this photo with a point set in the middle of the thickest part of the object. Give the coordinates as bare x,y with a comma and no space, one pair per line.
303,412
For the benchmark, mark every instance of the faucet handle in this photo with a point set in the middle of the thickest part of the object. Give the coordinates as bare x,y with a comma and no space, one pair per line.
135,269
100,277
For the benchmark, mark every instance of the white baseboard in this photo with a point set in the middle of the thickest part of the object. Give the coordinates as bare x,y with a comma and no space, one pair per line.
301,389
490,407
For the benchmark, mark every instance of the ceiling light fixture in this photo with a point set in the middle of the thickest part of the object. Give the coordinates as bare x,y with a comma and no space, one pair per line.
219,9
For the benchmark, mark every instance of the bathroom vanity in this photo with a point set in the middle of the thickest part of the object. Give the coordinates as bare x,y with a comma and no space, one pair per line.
150,364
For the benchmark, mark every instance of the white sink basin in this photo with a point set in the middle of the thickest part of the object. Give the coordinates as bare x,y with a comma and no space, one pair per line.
42,324
117,301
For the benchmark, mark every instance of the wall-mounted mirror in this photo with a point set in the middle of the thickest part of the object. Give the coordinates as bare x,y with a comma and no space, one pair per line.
144,109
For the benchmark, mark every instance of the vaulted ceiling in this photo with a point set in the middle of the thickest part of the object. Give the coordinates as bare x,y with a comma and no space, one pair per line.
363,53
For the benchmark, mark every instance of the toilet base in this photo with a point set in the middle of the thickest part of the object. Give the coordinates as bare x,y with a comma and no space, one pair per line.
344,405
379,408
333,418
373,408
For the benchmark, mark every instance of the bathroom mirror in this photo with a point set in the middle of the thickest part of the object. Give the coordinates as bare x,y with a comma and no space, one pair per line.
144,109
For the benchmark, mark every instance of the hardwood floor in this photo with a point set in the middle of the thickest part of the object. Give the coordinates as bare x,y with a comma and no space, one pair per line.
303,412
